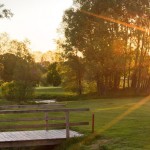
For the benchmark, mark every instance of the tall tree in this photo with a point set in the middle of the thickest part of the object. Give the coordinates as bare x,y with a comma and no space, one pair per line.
53,75
112,36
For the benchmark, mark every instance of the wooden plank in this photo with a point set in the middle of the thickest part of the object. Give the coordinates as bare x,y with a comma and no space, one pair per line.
33,138
44,110
22,119
46,121
11,139
19,127
67,125
55,125
3,137
56,118
78,123
30,143
35,135
32,106
32,119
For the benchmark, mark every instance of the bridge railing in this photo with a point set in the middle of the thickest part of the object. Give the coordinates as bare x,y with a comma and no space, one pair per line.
36,112
37,106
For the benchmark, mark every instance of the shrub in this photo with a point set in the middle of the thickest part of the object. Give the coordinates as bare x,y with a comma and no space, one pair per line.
43,81
1,82
17,90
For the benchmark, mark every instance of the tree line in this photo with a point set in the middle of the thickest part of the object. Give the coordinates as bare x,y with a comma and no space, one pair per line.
106,46
105,49
19,73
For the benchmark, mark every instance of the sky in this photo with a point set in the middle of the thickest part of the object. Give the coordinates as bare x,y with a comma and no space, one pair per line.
35,20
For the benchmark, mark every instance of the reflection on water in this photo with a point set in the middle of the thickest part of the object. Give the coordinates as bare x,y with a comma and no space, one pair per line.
46,101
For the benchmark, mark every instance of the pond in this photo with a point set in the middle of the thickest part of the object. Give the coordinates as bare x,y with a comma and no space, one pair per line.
46,101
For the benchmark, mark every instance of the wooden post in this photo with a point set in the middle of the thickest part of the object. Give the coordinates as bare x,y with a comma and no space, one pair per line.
67,125
46,120
93,118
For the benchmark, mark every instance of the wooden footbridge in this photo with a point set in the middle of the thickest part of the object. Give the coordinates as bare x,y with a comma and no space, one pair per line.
29,125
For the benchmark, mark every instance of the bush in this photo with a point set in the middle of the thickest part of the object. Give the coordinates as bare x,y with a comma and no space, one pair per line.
17,90
53,78
1,82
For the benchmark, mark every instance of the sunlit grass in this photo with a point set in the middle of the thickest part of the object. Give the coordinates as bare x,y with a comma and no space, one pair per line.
47,93
51,90
122,123
123,127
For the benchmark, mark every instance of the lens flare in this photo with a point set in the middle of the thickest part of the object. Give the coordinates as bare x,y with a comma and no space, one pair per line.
133,107
112,123
115,21
129,111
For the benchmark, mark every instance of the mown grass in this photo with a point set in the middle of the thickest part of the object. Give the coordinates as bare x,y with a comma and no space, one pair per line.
128,133
50,90
46,93
53,93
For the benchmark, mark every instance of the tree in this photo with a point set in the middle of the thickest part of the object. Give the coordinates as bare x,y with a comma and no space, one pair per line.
1,70
19,71
8,60
4,43
17,90
113,37
91,39
5,13
53,76
18,80
72,72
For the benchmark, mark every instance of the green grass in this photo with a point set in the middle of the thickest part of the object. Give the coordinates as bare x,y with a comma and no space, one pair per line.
52,93
50,90
132,132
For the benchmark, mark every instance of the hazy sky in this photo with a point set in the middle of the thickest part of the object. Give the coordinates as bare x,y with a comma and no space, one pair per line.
36,20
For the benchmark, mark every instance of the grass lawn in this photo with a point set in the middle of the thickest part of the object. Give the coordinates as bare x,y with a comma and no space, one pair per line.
52,93
129,131
50,90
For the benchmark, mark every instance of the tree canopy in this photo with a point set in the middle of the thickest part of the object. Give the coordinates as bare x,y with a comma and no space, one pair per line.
5,13
113,38
18,70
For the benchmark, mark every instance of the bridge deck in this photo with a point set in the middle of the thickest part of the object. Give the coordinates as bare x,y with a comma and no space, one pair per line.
31,138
